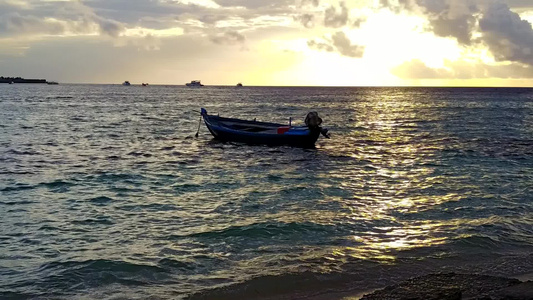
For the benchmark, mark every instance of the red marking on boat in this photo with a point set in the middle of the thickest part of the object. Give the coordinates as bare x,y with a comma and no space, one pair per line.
282,130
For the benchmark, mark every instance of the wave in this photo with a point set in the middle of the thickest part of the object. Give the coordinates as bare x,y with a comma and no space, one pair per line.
60,97
266,230
64,276
18,187
98,265
95,221
56,185
113,177
22,152
102,200
188,267
8,295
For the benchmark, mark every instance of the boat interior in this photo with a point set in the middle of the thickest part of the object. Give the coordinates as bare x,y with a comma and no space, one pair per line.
249,126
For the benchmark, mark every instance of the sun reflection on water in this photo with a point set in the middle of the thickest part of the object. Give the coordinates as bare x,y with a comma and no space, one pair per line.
394,175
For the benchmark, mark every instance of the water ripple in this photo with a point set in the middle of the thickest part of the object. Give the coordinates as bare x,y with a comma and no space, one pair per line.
105,192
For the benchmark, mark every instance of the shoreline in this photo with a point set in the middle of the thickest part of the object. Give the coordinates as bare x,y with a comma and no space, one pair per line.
432,286
454,286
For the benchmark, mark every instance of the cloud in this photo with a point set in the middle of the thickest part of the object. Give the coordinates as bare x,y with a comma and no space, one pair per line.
508,36
446,18
416,69
310,2
358,22
109,27
313,44
345,47
306,20
54,18
455,20
340,43
15,23
254,4
229,38
519,3
334,18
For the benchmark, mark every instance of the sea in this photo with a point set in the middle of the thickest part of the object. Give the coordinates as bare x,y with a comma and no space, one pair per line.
106,192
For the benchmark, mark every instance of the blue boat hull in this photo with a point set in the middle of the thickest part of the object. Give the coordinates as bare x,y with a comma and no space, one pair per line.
236,130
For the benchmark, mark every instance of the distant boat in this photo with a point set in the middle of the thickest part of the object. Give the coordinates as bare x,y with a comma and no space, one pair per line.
194,83
52,82
126,83
144,84
11,82
254,132
239,84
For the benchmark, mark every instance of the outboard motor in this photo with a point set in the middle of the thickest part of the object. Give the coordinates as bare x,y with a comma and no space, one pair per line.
313,121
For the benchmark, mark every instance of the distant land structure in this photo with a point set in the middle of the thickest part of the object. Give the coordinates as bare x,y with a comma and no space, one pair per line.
20,80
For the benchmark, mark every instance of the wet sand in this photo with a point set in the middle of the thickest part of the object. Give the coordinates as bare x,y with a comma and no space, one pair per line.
454,286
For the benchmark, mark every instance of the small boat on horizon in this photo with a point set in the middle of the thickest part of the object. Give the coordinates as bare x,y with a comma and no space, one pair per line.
144,84
194,83
52,83
126,83
265,133
239,84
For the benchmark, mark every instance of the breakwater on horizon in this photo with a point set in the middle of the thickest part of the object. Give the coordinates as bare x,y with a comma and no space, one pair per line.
20,80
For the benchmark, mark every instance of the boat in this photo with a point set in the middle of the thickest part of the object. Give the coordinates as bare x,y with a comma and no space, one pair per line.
239,84
52,83
194,83
126,83
144,84
265,133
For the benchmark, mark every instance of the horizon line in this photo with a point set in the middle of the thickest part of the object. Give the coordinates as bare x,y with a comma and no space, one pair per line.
294,86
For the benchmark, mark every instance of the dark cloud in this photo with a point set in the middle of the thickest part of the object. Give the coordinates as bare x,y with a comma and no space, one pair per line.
334,18
519,3
340,43
255,4
110,27
447,18
310,2
320,46
212,19
358,21
55,18
345,46
306,20
451,18
229,38
14,23
459,27
132,12
508,36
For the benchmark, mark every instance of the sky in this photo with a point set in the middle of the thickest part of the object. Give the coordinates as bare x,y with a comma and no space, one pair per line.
270,42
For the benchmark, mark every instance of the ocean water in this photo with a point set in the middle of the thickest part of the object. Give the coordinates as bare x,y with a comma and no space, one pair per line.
106,193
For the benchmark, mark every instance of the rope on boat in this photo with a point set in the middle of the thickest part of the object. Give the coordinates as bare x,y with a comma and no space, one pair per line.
198,131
